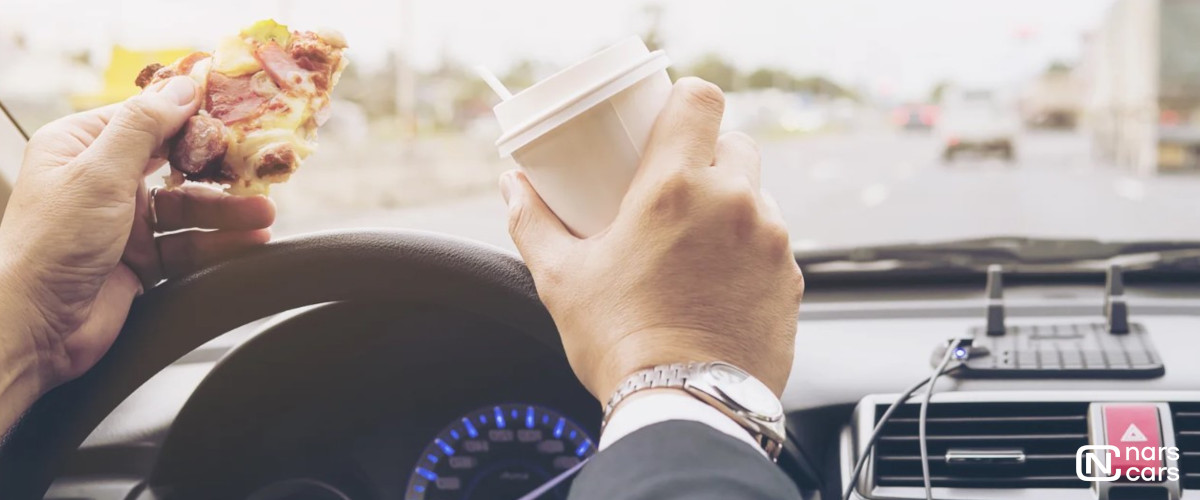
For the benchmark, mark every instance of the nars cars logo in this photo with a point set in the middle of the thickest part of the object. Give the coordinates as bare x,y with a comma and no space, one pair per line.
1101,458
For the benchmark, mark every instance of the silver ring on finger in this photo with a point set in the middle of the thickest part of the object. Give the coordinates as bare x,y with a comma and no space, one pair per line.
153,212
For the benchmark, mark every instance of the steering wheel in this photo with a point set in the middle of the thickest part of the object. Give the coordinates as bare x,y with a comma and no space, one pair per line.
176,317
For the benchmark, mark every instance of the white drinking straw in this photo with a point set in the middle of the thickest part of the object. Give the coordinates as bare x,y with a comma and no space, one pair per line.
493,82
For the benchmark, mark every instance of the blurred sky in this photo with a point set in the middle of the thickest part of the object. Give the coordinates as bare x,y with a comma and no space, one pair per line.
899,45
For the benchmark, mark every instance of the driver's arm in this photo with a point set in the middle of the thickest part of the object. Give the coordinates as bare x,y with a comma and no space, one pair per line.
78,242
696,267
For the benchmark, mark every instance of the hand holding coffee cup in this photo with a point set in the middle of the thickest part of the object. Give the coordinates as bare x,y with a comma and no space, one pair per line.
580,134
696,266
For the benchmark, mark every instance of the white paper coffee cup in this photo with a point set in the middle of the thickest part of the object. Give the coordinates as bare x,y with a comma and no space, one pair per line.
579,134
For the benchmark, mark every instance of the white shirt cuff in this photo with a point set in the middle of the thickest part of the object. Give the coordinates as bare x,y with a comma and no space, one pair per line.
651,409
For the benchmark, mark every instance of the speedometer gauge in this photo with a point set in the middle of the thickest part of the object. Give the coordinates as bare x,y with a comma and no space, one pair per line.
499,453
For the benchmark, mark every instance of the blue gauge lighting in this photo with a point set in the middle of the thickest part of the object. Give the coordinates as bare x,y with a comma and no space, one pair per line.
488,459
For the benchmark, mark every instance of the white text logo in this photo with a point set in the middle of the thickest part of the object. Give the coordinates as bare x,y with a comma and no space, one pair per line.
1094,463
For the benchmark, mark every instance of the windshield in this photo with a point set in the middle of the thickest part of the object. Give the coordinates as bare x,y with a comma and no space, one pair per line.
880,121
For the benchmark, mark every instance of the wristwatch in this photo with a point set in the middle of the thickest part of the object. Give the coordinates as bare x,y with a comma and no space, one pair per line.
727,388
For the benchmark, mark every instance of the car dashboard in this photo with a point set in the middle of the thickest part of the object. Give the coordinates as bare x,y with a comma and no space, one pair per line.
362,400
407,401
989,438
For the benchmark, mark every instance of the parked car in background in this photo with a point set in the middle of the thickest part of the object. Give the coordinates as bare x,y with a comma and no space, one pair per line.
1053,99
915,116
977,121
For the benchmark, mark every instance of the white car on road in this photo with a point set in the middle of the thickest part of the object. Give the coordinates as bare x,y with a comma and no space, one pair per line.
977,121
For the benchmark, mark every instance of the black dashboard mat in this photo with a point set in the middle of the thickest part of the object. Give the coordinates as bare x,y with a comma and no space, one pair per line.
1077,350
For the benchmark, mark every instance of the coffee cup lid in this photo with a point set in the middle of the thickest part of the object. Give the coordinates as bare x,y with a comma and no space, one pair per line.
551,102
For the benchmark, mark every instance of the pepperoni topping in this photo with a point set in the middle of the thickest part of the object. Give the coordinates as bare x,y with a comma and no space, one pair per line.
317,55
232,99
279,65
146,77
312,53
277,160
156,72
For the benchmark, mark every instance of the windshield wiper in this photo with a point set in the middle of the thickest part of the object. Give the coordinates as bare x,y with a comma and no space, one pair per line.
1169,260
1009,251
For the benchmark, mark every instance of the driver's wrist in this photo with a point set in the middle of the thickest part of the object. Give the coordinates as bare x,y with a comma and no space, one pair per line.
20,361
653,406
649,348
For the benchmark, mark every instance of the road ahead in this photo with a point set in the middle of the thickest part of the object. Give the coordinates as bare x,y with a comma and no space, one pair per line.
881,187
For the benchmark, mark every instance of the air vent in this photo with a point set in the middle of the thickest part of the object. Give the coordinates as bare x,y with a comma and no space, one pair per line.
991,445
1186,419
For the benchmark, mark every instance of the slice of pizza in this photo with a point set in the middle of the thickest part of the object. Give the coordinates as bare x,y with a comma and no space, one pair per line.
266,92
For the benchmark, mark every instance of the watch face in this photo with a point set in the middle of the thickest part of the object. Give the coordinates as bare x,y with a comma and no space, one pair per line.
726,373
745,390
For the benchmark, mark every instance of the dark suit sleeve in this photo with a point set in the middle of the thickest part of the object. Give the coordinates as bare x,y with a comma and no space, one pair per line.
677,460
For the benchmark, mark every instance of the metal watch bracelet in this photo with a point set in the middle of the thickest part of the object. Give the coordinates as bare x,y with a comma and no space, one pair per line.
769,432
673,375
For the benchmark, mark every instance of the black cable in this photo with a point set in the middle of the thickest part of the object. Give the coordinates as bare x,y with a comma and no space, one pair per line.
925,411
13,119
875,433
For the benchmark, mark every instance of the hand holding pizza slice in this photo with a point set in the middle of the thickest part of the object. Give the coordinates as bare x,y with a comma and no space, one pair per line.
266,92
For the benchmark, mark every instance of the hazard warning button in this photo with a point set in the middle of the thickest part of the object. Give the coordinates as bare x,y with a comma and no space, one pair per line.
1134,430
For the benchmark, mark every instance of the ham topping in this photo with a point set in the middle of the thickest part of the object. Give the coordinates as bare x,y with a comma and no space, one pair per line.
284,70
232,99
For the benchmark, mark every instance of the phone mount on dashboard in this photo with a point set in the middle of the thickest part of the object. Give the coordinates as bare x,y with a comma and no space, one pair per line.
1114,348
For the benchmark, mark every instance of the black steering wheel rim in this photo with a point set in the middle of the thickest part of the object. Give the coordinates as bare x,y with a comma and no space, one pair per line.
178,316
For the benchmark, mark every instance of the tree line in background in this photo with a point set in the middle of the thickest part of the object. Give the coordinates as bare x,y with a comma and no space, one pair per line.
457,90
454,94
716,69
